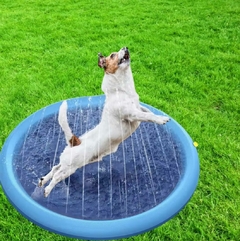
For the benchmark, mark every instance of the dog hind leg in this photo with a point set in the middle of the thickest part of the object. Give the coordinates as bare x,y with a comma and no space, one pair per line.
43,180
60,175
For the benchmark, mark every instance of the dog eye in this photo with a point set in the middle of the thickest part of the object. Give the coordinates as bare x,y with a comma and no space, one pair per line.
112,56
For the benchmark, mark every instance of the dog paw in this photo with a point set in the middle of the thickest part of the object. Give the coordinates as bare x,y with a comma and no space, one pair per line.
40,182
46,192
164,120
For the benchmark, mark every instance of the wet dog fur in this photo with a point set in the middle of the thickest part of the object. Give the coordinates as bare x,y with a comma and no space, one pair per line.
121,116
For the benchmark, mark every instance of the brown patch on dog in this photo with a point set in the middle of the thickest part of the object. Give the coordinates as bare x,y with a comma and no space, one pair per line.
110,63
74,141
93,159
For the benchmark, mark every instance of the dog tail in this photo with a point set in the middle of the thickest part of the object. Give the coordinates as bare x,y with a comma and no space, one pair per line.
71,139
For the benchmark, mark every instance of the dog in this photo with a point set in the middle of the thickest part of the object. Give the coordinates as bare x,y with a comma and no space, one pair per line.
121,116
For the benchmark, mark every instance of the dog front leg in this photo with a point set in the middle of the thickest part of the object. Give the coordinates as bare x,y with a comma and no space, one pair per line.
138,115
145,109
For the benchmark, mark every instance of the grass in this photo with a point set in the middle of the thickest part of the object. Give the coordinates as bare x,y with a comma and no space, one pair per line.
185,61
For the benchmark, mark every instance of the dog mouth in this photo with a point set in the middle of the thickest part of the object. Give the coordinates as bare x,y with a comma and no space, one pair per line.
125,58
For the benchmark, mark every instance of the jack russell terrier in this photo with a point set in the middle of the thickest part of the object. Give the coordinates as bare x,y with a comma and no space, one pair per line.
121,116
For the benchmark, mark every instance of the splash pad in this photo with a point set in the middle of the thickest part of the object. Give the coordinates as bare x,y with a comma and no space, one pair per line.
145,183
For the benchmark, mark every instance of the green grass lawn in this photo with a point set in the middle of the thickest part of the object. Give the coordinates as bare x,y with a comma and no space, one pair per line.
185,61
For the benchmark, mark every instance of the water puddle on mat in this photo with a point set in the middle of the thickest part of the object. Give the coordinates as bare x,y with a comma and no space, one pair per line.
140,175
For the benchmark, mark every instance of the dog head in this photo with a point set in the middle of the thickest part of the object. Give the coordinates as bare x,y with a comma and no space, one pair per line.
115,61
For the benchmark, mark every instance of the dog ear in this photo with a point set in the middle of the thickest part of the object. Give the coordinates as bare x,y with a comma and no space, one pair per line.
101,61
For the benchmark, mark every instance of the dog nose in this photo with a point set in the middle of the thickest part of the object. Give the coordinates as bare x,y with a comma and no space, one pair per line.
125,49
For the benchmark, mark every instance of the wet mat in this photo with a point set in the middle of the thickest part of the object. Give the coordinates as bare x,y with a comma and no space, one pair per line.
140,175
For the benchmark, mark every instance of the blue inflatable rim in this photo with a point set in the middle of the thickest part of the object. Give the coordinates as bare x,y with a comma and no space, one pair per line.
98,230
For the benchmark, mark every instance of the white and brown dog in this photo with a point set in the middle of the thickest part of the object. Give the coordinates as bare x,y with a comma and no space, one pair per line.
121,116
